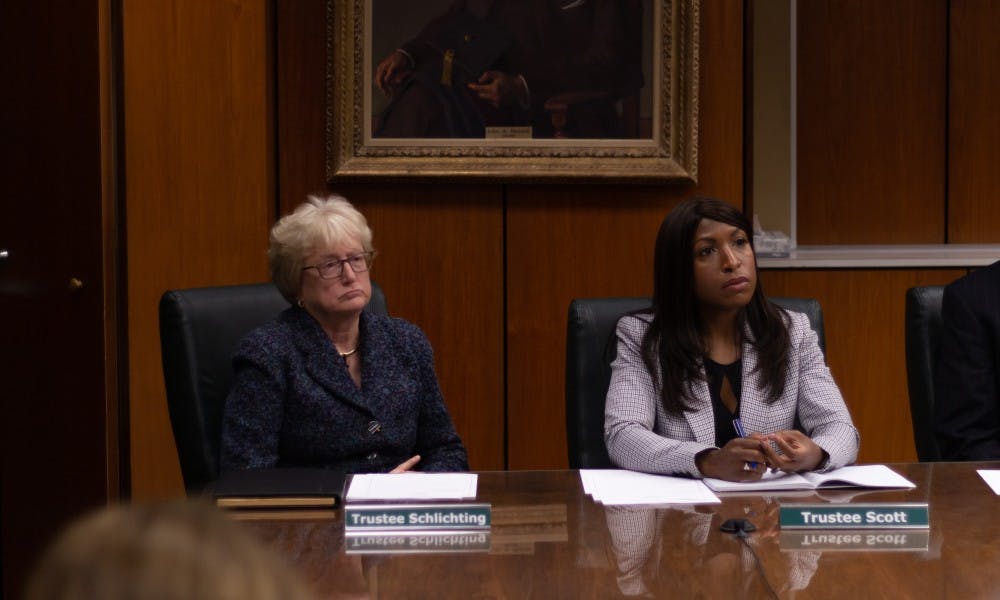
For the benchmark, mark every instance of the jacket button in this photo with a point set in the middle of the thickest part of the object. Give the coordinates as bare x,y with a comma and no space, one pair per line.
372,456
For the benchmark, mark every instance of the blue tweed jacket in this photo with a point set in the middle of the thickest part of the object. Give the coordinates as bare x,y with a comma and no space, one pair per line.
294,403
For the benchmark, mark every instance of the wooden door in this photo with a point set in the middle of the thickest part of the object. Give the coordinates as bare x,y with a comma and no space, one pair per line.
57,460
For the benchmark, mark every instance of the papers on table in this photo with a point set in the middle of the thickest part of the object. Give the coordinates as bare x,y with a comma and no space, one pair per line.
413,486
992,478
613,486
610,486
862,476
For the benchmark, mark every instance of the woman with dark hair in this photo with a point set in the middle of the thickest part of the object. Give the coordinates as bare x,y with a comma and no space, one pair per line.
714,380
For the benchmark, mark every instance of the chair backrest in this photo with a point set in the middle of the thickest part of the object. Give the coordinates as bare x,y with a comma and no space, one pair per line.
923,340
199,330
591,347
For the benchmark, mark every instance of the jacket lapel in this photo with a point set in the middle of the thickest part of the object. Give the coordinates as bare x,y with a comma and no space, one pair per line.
701,420
751,400
376,362
322,362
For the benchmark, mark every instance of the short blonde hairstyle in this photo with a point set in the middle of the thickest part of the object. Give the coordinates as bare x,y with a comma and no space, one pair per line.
178,550
316,223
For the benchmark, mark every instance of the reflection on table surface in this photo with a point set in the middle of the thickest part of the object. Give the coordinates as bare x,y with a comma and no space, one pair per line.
549,540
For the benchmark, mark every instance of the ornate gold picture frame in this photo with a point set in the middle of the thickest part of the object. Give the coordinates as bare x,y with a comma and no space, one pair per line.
662,145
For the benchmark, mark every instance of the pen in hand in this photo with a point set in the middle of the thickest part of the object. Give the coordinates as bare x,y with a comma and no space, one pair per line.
738,426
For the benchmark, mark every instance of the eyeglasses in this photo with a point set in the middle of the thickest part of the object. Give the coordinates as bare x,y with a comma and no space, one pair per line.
334,268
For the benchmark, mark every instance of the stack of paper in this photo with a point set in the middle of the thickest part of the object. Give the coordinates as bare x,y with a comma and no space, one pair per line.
860,476
612,486
413,486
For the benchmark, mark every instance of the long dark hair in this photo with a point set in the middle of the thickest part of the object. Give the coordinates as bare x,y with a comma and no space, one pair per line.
674,345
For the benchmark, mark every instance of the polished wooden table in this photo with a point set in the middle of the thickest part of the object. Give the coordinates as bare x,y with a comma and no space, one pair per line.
550,540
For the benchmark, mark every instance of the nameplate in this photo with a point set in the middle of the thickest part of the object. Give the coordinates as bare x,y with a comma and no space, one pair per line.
855,540
416,517
514,132
908,515
373,542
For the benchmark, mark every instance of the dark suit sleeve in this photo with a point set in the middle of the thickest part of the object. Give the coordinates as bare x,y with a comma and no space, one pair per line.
417,48
252,417
438,444
966,397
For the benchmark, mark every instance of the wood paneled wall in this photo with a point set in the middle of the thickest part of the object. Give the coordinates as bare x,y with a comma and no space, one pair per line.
58,315
199,182
897,126
488,269
974,123
576,241
872,92
863,318
300,75
440,246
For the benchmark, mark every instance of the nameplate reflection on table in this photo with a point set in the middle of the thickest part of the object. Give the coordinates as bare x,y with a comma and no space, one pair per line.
858,540
713,564
405,543
556,542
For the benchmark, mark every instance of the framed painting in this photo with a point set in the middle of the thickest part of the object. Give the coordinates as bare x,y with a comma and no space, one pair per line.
513,91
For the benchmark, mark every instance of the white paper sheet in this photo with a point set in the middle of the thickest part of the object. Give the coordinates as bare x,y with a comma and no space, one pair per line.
992,478
413,486
618,487
865,476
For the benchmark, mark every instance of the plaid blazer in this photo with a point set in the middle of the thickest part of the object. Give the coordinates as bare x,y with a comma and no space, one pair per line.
639,548
641,436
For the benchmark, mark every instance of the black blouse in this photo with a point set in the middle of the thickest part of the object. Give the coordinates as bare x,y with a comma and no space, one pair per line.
724,429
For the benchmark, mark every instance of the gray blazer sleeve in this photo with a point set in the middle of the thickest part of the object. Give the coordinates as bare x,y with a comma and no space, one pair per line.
822,412
636,428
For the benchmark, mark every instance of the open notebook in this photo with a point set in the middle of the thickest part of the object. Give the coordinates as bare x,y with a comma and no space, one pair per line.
863,476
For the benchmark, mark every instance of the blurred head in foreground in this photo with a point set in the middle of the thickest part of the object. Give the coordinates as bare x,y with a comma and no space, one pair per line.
179,550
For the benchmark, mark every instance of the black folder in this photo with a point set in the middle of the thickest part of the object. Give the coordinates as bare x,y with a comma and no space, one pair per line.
279,488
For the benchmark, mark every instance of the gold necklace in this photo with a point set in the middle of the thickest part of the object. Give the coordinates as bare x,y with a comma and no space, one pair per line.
349,352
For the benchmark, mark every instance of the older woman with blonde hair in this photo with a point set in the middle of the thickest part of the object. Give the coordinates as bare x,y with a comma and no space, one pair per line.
326,384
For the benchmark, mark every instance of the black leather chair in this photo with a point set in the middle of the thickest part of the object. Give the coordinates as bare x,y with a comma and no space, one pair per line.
199,330
590,349
923,340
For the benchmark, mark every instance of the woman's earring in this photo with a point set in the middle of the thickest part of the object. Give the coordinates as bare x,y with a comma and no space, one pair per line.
301,303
